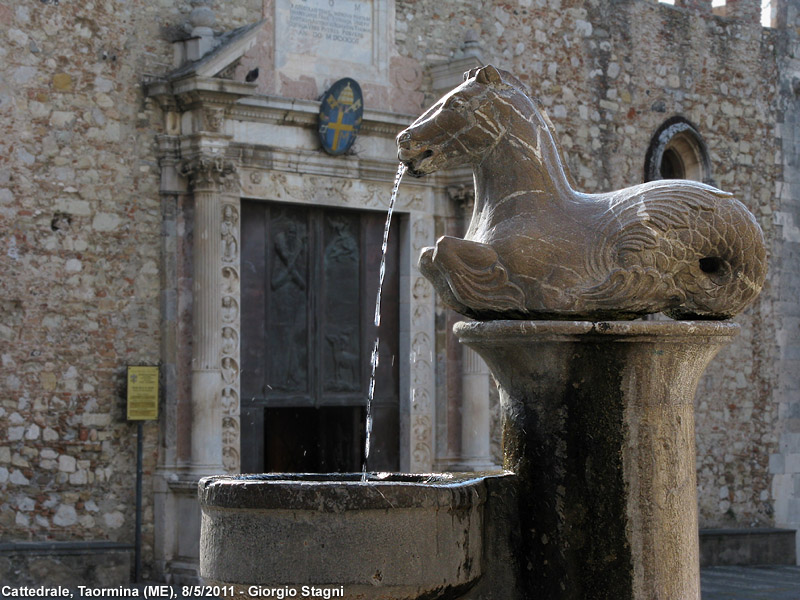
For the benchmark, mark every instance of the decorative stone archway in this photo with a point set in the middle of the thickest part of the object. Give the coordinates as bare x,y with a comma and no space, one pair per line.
224,143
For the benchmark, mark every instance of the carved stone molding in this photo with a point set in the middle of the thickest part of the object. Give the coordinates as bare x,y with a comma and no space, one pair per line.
214,173
421,374
463,196
230,298
321,189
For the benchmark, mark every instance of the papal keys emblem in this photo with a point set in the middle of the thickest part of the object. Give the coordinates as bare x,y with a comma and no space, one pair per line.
340,116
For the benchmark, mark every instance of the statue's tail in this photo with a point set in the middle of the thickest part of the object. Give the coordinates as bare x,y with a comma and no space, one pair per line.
729,273
681,247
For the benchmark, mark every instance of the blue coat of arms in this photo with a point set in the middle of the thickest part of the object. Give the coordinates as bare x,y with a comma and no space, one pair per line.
340,116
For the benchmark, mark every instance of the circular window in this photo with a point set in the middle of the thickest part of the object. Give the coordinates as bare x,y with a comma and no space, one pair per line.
677,152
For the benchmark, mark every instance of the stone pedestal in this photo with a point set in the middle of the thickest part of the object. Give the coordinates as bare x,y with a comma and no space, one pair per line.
599,428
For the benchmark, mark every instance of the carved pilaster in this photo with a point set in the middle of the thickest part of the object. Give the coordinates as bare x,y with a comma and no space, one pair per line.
215,313
421,376
230,331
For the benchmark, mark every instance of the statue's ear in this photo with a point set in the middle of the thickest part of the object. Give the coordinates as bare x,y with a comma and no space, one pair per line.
471,73
488,75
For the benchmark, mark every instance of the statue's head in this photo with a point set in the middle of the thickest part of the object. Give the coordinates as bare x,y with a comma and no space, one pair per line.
461,127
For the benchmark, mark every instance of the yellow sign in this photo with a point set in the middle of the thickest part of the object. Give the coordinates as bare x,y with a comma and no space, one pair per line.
142,393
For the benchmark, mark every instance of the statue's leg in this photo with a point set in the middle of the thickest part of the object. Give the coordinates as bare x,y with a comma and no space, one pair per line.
471,277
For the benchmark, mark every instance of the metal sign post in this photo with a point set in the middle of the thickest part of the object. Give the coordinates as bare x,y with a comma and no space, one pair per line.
142,406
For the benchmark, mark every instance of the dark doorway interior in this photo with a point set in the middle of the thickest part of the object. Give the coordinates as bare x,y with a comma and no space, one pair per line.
309,440
309,281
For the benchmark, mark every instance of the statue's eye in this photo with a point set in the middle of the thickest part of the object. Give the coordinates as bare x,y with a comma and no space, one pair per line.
457,104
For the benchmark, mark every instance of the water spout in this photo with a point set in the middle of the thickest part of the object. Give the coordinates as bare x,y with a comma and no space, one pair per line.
374,358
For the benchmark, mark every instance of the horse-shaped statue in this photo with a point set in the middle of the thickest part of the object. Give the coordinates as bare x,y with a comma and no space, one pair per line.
537,248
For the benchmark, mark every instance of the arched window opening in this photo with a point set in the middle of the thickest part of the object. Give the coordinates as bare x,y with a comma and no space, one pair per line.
677,151
672,165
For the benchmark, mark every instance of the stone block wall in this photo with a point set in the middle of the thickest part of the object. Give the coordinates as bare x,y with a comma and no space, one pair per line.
784,462
85,280
80,260
609,74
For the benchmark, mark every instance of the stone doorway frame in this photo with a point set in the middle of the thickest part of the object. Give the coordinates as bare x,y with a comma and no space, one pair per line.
223,143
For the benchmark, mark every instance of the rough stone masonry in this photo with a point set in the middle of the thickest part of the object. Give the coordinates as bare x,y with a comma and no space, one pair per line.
85,288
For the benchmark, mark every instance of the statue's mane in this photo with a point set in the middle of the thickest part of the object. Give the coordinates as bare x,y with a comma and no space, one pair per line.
501,80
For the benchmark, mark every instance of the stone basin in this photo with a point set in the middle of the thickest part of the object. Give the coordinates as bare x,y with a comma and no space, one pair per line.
393,536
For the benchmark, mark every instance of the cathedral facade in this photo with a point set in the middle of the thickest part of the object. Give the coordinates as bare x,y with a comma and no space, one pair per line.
203,187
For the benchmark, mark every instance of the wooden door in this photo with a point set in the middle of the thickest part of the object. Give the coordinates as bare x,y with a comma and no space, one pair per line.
309,281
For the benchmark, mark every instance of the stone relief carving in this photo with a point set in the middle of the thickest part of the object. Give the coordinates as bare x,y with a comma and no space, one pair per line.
229,360
421,351
230,370
230,281
537,248
421,433
230,402
420,314
210,172
230,443
422,289
230,309
230,341
327,190
230,234
421,400
213,119
463,196
423,233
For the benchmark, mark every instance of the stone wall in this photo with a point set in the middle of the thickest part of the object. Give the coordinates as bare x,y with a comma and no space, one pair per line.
83,287
609,75
785,462
80,216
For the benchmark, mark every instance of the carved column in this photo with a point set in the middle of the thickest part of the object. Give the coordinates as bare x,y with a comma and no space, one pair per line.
213,371
475,413
475,380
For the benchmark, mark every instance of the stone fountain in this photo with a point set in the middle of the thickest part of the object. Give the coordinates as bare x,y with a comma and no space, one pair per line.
598,500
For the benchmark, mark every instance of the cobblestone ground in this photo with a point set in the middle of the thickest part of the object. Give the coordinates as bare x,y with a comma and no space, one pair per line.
750,583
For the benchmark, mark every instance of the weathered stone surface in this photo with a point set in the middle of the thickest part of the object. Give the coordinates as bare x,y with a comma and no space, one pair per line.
537,248
65,564
601,70
395,536
599,430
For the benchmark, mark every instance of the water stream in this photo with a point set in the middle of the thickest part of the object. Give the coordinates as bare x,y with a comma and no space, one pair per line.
374,359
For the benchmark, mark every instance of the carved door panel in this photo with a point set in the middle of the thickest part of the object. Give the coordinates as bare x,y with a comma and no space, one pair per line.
309,280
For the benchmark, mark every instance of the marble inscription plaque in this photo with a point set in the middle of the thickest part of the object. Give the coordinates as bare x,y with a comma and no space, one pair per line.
339,30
